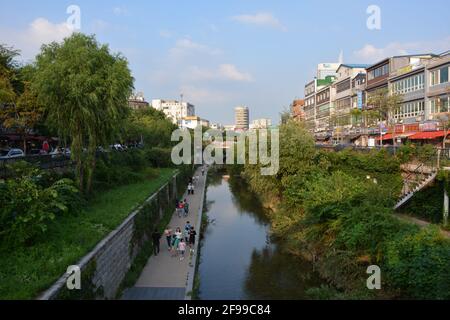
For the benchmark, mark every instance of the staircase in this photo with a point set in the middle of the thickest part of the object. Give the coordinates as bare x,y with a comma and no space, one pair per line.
408,194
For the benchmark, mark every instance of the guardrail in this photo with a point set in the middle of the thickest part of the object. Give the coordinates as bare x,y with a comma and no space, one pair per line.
45,162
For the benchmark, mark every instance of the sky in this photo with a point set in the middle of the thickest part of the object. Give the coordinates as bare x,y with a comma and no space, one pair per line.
221,54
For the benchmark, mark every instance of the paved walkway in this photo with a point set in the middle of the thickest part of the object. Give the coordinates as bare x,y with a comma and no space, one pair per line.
165,277
420,223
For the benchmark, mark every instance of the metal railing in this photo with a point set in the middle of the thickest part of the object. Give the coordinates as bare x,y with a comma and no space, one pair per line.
44,162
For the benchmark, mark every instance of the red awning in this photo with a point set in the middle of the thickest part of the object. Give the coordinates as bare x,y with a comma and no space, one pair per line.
389,136
428,135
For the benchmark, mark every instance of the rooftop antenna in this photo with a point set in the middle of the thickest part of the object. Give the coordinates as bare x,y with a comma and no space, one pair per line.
341,57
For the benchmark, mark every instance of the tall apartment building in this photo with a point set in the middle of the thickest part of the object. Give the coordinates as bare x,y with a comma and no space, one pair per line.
174,109
241,118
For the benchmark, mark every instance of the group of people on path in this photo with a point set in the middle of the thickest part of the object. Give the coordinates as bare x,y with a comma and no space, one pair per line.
178,241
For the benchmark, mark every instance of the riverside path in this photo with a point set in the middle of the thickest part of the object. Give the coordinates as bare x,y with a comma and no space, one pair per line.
165,277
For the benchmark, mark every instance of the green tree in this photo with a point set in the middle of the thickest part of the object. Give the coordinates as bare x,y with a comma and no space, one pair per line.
20,110
85,89
385,105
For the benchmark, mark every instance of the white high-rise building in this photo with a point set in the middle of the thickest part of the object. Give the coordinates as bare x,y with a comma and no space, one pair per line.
174,109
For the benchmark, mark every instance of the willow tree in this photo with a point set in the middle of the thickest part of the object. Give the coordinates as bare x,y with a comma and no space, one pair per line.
85,89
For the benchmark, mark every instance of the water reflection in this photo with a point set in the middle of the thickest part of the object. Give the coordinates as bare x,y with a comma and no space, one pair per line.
238,260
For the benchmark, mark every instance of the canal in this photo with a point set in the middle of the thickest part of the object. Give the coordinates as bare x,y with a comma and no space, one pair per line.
238,260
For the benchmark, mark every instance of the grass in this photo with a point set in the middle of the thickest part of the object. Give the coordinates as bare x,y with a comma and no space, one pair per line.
26,272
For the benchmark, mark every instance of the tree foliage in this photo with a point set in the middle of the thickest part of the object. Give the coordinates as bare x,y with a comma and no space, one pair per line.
85,89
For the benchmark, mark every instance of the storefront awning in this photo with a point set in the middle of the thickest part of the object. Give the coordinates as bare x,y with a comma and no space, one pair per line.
428,135
389,136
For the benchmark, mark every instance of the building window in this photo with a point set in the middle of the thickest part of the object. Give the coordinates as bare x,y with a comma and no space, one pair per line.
439,76
410,109
439,104
411,84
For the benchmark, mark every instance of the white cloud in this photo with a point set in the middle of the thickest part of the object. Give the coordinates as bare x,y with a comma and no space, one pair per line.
222,72
260,19
186,46
203,96
230,71
370,53
39,32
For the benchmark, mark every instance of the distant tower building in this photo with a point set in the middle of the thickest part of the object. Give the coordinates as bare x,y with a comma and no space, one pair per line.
241,118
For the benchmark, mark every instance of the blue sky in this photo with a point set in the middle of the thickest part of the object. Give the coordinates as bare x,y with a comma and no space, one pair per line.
221,54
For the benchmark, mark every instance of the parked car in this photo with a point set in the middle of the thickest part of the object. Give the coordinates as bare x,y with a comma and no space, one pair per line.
37,152
11,153
117,147
59,152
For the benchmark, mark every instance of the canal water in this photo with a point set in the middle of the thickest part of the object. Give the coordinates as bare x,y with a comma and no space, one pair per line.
238,259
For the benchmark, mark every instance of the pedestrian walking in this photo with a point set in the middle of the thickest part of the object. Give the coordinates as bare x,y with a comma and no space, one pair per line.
187,228
182,249
203,171
186,235
168,235
189,188
176,240
192,189
181,209
156,236
186,209
192,235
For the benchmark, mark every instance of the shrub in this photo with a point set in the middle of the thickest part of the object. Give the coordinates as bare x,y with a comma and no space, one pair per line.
28,207
159,157
419,263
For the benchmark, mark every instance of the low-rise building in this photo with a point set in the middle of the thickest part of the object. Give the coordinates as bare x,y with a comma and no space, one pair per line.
174,109
349,87
297,110
137,102
193,122
437,96
261,123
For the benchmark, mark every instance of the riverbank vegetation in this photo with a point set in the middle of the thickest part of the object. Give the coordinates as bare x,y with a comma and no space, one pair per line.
335,208
76,91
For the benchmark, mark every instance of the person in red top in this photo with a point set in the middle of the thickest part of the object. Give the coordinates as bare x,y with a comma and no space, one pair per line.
45,146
